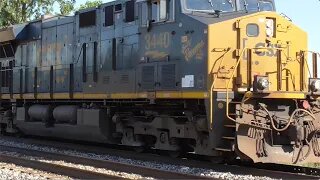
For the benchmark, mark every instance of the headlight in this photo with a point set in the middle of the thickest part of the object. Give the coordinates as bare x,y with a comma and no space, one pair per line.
315,85
263,84
270,27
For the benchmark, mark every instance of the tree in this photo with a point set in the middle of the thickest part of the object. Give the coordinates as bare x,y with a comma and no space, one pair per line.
19,11
90,4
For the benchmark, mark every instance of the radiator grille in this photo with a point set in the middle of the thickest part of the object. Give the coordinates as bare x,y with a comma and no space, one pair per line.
147,77
106,79
168,76
124,79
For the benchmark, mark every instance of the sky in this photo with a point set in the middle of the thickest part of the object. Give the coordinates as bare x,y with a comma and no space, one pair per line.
304,13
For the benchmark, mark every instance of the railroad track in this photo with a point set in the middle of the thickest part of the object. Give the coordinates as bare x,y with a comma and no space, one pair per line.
272,171
54,168
21,160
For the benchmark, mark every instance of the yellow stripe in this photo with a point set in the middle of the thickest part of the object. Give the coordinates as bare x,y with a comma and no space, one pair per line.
150,95
279,95
144,95
6,96
182,95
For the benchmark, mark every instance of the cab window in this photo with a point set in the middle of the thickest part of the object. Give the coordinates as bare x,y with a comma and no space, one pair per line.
227,6
156,11
255,5
249,5
159,10
206,5
143,13
266,6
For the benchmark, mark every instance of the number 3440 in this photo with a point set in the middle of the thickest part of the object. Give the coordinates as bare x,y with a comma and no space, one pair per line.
161,40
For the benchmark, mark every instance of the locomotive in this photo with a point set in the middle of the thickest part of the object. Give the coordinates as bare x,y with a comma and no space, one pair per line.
224,78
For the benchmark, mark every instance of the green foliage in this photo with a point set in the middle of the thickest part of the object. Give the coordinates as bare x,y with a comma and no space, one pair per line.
90,4
19,11
66,7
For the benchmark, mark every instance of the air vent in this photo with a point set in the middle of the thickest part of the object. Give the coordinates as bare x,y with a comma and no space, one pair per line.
106,79
124,79
147,77
168,76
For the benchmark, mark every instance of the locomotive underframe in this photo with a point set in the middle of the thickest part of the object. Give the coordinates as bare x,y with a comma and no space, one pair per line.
272,127
178,126
175,126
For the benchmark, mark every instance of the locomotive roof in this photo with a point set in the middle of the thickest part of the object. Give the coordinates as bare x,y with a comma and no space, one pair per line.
12,32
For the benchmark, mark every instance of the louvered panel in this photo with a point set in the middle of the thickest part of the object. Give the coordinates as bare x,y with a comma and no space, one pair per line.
168,76
124,79
147,77
106,80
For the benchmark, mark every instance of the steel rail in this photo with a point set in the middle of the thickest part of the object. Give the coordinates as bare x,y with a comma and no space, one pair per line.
54,168
189,160
110,165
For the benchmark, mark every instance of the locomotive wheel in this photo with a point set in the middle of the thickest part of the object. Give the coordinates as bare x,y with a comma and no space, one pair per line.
217,160
174,154
139,149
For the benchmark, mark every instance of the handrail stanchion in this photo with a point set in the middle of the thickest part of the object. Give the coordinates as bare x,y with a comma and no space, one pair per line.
315,65
279,70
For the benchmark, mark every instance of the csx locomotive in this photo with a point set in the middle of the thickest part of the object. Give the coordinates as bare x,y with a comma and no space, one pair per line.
219,78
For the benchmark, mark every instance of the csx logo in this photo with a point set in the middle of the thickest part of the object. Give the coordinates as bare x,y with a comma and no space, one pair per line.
270,52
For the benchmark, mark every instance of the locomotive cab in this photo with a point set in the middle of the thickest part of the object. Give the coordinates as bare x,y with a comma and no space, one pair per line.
256,74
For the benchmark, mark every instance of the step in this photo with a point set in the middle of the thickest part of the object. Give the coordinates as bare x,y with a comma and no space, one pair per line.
233,114
234,102
230,126
223,149
229,138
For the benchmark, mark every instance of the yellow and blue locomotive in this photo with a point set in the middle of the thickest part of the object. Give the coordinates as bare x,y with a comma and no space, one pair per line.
220,78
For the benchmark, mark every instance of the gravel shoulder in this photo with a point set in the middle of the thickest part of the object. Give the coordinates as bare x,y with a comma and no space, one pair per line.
217,171
161,166
14,172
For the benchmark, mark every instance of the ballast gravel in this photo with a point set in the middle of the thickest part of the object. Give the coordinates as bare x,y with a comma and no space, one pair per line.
78,166
156,165
13,172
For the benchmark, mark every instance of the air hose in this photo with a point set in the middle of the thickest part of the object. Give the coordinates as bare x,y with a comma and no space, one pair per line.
290,120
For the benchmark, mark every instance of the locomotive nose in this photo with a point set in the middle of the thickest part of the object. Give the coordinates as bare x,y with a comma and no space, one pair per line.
259,46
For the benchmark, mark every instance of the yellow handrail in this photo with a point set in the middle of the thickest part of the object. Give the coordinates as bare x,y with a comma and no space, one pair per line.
306,61
233,74
212,86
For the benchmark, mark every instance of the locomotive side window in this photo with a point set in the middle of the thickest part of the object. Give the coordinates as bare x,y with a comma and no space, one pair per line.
144,13
252,30
130,11
87,19
163,10
159,10
6,51
109,18
9,50
156,11
2,53
118,8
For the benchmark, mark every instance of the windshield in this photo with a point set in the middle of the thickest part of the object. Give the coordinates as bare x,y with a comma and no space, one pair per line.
266,6
255,5
207,5
228,5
